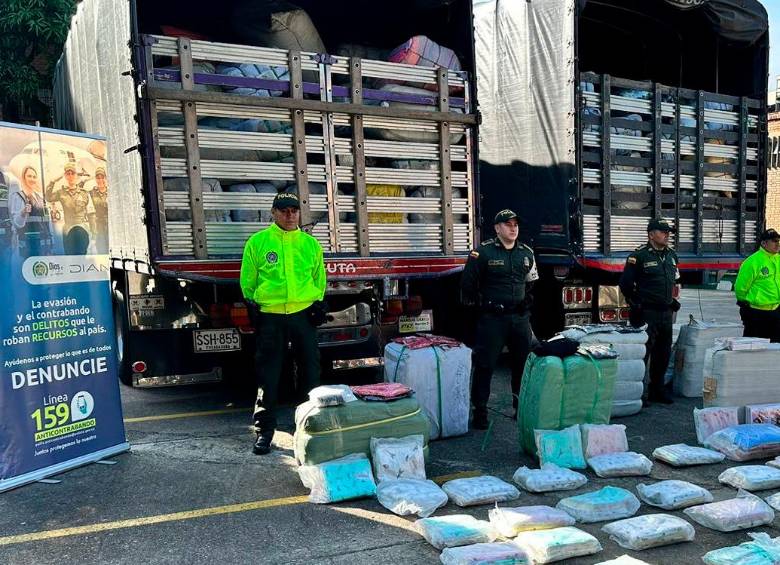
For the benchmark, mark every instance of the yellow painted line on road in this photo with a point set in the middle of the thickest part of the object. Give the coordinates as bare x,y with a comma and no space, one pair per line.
186,415
179,516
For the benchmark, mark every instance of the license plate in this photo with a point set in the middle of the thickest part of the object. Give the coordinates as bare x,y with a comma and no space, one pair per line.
216,340
412,324
578,319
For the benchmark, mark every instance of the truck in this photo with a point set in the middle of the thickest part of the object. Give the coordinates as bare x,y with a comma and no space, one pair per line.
209,117
598,115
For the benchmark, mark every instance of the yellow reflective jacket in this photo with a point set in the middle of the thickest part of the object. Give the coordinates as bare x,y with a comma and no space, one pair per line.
282,271
758,281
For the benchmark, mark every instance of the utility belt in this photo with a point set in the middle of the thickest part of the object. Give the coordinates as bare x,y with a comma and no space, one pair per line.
501,308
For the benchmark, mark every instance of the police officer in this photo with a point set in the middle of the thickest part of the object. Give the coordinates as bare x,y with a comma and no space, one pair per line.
648,283
77,206
758,289
283,281
99,196
497,277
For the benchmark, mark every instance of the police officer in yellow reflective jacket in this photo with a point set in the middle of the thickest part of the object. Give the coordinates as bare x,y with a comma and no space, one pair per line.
758,289
497,277
283,281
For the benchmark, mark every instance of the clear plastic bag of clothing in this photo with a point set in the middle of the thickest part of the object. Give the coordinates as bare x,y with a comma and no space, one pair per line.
751,477
762,550
623,560
331,395
744,511
398,458
606,504
628,464
549,478
681,455
455,530
341,479
673,494
411,496
560,447
504,553
511,521
648,531
744,442
548,546
479,490
600,439
710,420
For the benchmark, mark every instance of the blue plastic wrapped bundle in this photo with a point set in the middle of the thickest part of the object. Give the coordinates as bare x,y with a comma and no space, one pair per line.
747,441
763,550
455,530
609,503
341,479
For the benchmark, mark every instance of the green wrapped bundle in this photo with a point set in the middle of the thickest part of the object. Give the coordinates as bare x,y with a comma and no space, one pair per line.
557,393
324,434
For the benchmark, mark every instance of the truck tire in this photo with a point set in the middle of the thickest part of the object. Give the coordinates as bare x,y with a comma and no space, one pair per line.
121,329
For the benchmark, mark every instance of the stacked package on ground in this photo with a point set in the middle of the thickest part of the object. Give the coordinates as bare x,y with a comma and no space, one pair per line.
694,340
439,375
327,433
739,378
560,392
630,345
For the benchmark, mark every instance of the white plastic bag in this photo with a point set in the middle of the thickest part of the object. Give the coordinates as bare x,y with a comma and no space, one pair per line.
341,479
762,550
455,530
628,464
623,560
549,478
398,458
511,521
411,496
547,546
673,495
747,441
608,503
681,455
774,501
751,477
744,511
331,395
600,439
711,420
504,553
562,448
650,530
479,490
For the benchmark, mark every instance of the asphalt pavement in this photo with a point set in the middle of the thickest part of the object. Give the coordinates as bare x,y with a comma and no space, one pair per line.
190,490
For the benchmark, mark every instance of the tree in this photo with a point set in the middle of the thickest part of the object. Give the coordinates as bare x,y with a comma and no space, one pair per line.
32,33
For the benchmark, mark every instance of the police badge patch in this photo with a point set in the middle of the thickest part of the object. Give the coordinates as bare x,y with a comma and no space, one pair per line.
765,271
271,257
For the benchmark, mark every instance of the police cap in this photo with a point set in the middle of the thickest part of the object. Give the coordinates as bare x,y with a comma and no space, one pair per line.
660,225
286,200
504,216
770,235
69,167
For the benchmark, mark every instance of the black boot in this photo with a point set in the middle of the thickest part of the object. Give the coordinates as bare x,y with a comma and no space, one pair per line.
661,396
262,444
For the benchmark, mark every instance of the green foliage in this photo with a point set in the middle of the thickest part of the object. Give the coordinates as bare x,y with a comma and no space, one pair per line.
31,31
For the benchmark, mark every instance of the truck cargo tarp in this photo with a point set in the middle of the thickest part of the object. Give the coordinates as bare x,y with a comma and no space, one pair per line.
525,68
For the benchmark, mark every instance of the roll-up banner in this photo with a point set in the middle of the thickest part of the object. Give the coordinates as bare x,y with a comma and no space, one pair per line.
59,396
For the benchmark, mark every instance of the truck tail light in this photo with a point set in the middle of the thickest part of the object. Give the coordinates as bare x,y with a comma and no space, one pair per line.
608,315
239,316
625,313
568,296
589,295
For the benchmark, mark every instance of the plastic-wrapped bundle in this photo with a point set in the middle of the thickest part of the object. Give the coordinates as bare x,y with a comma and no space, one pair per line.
747,441
455,530
562,448
763,550
628,391
267,24
629,351
774,501
398,458
259,215
751,477
182,184
341,479
711,420
504,553
331,395
549,478
623,560
694,340
651,530
744,511
762,414
511,521
626,408
548,546
681,455
673,494
599,439
630,370
423,52
411,496
739,378
605,333
479,490
405,133
628,464
608,503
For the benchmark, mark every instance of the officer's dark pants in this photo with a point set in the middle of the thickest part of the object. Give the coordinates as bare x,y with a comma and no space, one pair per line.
273,333
761,323
494,331
659,347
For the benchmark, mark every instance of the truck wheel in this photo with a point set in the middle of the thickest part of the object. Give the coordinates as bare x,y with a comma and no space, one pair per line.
121,328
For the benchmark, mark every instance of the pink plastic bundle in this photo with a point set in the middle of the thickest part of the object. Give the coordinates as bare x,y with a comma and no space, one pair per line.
421,341
382,392
423,52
